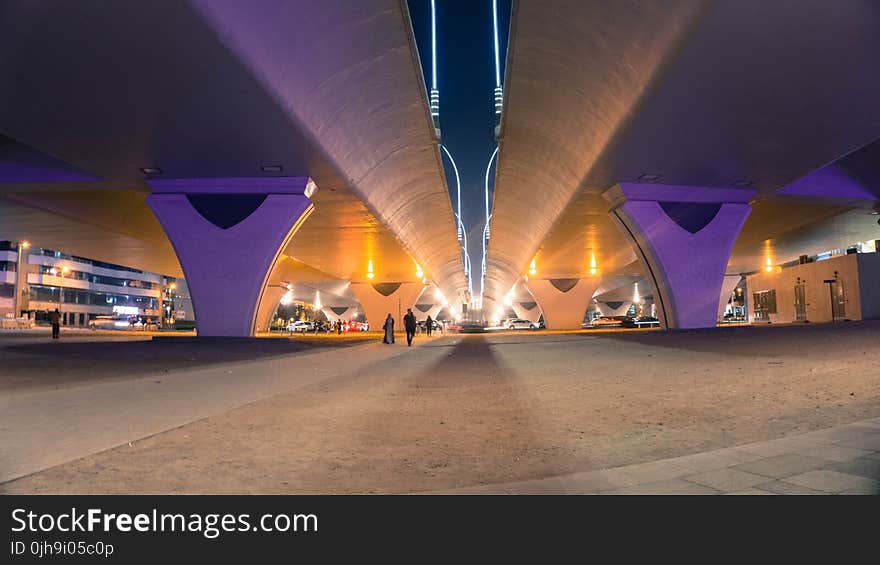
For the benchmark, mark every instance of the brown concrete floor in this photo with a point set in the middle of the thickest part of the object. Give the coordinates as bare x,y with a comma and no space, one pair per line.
29,362
478,409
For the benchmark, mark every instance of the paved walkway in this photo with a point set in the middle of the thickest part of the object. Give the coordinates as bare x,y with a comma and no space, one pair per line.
839,460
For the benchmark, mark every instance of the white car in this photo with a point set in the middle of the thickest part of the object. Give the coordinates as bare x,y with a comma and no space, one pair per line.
299,326
519,324
111,323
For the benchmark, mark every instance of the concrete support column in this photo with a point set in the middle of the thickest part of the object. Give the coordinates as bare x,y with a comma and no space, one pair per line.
422,311
228,234
683,236
730,282
380,299
272,296
620,310
337,313
527,311
563,301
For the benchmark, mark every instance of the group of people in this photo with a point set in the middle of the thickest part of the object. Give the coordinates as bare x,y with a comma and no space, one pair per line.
409,323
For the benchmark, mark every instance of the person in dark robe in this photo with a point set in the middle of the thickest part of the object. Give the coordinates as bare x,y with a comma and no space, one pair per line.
429,325
55,320
409,322
389,329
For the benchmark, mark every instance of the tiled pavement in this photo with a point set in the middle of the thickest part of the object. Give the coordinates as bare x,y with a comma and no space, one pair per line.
840,460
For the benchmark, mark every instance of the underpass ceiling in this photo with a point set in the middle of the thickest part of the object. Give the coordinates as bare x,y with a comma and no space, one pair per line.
699,93
330,90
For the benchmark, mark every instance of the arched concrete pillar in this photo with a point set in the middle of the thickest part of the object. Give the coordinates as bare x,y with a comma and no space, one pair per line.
268,304
563,301
422,311
228,234
527,311
380,299
337,313
683,236
615,308
730,282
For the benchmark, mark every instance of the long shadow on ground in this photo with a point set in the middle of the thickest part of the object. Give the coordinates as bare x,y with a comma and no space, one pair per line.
51,364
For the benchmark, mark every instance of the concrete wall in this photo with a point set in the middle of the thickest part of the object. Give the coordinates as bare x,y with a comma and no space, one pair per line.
818,299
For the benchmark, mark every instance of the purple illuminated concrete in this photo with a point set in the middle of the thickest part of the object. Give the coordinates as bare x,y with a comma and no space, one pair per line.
227,269
234,185
19,163
687,269
828,182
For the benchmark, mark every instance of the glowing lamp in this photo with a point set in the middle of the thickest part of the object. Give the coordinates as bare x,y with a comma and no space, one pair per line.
287,299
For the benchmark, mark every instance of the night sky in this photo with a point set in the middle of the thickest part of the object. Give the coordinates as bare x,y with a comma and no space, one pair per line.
466,80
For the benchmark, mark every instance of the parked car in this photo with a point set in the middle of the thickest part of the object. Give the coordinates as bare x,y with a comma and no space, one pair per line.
520,324
112,323
641,322
472,328
606,322
299,326
144,324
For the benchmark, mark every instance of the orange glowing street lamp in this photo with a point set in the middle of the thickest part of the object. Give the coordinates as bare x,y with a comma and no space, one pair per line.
60,272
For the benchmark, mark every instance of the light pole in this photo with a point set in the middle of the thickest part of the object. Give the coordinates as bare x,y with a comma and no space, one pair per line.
60,272
169,297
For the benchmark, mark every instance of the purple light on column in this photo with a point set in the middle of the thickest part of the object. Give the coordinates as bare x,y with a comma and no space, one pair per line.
227,269
687,268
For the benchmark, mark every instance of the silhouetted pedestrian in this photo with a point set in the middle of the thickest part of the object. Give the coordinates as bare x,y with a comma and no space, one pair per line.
429,326
55,320
409,322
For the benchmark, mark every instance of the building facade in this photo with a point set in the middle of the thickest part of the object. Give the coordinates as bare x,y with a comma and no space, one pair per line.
80,288
841,287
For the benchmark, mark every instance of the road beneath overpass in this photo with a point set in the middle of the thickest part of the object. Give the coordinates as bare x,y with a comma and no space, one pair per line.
456,411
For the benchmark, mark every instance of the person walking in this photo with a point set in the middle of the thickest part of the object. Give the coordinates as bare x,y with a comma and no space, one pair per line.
389,329
339,327
409,322
429,326
55,320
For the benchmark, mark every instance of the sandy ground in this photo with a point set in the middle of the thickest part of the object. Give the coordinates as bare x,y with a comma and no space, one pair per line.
479,409
36,362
